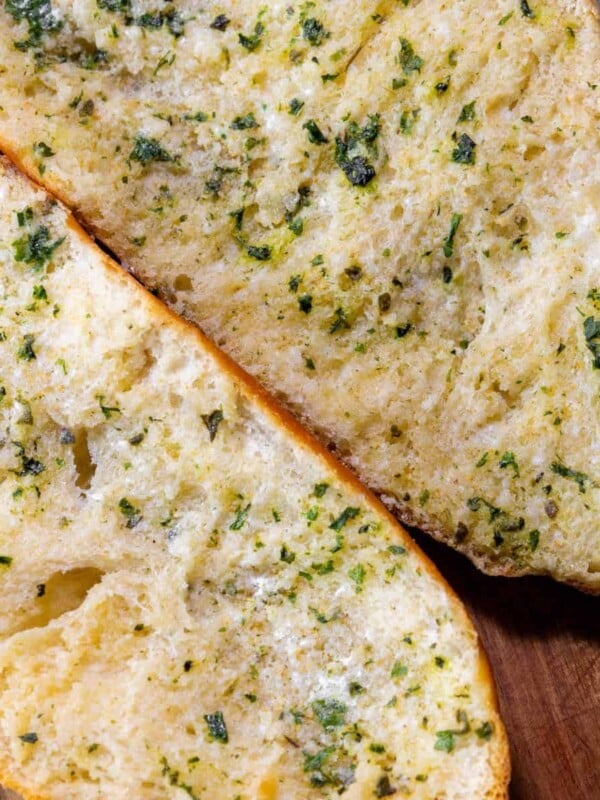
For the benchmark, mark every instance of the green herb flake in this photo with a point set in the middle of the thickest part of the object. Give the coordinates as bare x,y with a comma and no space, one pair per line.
220,23
5,561
244,123
399,670
591,331
241,515
408,59
397,550
384,788
252,42
217,729
483,460
259,252
29,738
448,246
212,422
355,689
43,150
534,540
526,10
287,555
580,478
509,460
146,150
305,303
130,512
485,731
347,514
464,152
320,489
402,330
107,411
295,106
330,713
26,351
325,568
467,113
315,134
40,18
314,32
358,575
36,248
445,741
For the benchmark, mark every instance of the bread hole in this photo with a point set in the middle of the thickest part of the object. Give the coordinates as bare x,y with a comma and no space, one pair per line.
533,151
183,283
138,363
61,593
84,464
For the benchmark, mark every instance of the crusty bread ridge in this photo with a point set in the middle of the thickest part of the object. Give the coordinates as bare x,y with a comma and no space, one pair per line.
387,212
196,599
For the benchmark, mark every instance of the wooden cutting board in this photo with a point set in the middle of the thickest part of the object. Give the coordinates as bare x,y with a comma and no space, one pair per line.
543,641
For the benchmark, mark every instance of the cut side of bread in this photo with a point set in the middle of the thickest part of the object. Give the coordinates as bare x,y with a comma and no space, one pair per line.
195,599
387,212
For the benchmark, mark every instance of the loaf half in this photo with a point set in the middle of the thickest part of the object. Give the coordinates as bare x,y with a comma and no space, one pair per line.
194,598
388,212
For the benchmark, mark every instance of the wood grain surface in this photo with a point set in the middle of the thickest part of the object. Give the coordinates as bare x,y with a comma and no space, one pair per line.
543,640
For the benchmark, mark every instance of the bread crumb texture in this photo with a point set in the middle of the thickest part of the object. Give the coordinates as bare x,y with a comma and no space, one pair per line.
192,600
387,211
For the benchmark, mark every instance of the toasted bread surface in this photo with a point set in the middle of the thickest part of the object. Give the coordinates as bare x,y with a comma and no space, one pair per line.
194,597
388,212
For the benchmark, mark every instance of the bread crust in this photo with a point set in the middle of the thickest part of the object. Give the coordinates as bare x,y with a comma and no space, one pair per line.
251,389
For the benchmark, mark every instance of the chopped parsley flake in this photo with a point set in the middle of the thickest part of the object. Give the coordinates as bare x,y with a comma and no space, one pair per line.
315,134
220,23
580,478
330,713
36,248
145,150
217,728
26,351
448,247
252,42
464,152
295,106
591,331
313,31
509,460
29,738
212,422
467,113
346,515
244,123
130,512
241,515
260,253
408,59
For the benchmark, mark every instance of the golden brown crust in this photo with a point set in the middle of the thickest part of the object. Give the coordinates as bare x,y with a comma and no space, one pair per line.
252,390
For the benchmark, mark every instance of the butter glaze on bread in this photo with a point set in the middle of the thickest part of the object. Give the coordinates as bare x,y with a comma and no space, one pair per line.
387,212
195,598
